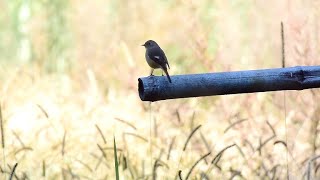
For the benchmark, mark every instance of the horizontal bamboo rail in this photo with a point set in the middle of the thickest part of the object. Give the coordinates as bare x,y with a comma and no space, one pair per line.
155,88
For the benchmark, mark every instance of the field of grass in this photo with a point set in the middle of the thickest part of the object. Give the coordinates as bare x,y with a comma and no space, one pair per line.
69,70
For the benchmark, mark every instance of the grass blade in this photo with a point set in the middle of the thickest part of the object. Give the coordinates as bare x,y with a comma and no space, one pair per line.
116,164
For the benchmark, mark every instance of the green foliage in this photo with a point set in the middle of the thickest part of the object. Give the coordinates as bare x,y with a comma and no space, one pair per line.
59,36
16,30
10,30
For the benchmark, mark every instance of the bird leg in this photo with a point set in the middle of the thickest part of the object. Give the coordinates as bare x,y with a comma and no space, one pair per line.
151,72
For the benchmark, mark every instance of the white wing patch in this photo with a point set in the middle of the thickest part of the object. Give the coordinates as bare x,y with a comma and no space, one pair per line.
157,57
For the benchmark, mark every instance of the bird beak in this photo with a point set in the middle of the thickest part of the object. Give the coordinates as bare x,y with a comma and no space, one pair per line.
143,45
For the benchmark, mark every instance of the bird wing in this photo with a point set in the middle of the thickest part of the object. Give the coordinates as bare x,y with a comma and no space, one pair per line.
166,60
158,56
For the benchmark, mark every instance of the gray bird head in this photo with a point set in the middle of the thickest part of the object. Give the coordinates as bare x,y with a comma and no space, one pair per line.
150,44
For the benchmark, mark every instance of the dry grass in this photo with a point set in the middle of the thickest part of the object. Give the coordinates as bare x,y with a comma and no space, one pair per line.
60,125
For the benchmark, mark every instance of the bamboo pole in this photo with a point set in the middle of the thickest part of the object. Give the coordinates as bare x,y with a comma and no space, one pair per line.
155,88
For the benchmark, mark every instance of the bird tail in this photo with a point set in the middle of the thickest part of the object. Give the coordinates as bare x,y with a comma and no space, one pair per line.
165,71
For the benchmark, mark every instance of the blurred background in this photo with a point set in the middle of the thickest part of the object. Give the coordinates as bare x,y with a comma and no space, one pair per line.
69,71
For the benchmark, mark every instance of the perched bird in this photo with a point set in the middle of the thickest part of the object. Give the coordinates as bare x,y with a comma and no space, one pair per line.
156,58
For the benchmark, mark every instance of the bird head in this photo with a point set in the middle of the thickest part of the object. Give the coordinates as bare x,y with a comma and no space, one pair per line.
149,44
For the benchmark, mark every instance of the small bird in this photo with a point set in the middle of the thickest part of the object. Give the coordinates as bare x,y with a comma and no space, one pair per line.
156,58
